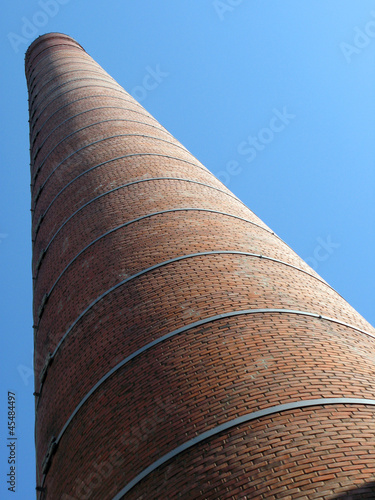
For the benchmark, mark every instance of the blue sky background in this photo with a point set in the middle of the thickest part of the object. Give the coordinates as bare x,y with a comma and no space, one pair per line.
225,67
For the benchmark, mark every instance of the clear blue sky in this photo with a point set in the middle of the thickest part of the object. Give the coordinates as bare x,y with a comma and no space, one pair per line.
226,70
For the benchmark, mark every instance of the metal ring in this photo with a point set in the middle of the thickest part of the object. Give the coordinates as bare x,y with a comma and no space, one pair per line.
66,73
72,90
70,81
81,61
32,76
200,322
233,423
162,212
81,99
50,36
178,145
96,142
29,62
75,116
130,184
108,161
228,425
75,58
35,106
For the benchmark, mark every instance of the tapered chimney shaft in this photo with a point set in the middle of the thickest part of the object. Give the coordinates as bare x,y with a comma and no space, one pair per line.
182,349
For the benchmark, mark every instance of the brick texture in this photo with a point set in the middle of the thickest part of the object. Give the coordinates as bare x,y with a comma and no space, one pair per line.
113,194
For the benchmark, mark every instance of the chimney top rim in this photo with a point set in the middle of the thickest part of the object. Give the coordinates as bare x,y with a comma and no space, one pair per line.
48,36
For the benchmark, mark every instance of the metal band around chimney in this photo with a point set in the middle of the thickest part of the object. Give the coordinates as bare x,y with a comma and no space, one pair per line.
96,109
38,224
162,212
131,155
46,463
112,159
75,88
42,38
29,60
93,70
43,373
81,113
82,99
171,261
50,37
122,135
185,161
75,60
88,64
107,121
42,305
203,321
131,184
99,123
33,121
295,405
35,105
41,257
32,77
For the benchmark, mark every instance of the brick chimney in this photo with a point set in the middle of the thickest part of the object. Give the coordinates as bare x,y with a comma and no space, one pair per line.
182,349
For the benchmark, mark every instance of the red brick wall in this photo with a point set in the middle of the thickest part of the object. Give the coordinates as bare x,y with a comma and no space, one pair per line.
101,164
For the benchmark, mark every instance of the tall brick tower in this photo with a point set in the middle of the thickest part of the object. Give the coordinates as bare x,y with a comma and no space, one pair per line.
182,349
